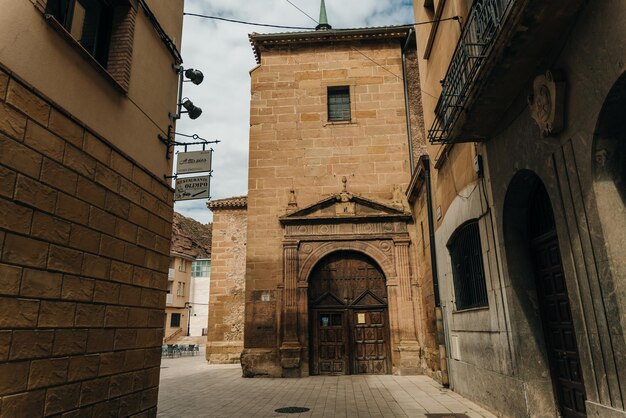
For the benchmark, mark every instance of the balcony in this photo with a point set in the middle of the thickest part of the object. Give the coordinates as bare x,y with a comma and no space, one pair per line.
170,274
503,46
169,299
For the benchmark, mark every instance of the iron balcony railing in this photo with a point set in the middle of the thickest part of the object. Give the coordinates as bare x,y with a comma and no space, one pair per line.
477,38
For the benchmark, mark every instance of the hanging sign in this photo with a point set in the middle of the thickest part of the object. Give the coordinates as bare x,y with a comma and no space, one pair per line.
194,162
191,188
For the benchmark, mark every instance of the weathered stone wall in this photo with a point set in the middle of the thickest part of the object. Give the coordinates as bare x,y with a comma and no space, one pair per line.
227,287
293,145
84,244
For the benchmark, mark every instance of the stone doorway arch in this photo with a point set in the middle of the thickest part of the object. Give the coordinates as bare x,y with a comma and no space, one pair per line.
373,229
348,316
547,349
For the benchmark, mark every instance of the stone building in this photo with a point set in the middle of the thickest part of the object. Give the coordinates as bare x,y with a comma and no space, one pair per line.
227,286
525,119
329,270
85,215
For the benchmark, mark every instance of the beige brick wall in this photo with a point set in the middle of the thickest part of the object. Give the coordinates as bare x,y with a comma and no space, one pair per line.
292,144
226,295
84,252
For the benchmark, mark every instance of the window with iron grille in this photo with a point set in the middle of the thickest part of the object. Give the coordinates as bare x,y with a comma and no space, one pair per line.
339,103
468,272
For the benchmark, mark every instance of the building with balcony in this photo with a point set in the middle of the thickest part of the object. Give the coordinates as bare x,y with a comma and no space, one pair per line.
86,88
177,298
524,105
187,286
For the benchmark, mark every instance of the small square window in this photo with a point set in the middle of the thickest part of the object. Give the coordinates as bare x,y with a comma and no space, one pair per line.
103,28
88,21
339,103
175,320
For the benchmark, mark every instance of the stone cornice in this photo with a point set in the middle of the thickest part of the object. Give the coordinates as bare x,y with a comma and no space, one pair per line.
264,41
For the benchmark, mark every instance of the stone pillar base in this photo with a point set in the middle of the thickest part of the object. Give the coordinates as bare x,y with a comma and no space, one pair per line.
259,362
410,358
290,359
223,352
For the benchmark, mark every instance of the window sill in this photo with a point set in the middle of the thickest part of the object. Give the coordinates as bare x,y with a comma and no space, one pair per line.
478,308
339,122
77,46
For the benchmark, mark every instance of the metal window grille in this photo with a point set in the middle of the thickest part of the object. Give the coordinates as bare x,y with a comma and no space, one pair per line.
468,272
338,103
482,28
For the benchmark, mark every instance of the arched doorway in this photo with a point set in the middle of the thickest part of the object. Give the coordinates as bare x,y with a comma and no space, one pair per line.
554,305
348,317
545,334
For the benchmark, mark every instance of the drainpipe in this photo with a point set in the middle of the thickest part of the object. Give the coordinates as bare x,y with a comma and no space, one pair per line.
442,332
406,100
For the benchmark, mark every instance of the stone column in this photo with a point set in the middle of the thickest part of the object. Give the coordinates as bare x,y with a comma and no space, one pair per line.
409,346
290,347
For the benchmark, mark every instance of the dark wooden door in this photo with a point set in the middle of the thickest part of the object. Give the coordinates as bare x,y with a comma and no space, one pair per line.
558,327
556,316
330,348
370,342
348,316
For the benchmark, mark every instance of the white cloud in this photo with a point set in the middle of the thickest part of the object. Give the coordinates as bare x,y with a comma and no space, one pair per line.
221,50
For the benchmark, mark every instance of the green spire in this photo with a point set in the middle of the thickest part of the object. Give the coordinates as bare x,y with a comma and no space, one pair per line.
323,23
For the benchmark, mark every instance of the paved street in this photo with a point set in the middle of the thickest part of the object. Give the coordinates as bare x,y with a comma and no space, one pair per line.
192,388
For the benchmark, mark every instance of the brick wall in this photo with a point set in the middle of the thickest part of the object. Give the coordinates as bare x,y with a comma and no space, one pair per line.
84,245
226,296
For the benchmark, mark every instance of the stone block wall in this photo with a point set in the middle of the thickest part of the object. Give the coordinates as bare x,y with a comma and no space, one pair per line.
84,252
293,145
227,283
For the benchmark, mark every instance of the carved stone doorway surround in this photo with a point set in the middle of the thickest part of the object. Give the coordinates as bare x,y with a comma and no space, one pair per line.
346,222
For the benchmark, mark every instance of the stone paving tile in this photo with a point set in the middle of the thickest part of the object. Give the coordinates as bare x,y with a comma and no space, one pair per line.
191,388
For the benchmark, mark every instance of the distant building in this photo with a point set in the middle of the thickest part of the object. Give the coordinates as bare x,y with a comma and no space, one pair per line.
188,279
199,297
86,89
177,299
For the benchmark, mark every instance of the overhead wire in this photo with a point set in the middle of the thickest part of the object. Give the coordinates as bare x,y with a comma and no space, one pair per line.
243,22
303,12
269,25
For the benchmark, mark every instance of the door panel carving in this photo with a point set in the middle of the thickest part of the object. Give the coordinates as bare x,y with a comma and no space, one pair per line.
349,320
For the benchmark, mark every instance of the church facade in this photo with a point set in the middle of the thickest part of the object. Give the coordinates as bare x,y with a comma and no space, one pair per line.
329,285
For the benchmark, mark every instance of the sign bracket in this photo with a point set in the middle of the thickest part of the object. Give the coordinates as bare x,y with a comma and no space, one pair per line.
170,142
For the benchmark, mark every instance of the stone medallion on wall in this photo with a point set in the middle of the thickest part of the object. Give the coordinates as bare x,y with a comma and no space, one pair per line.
547,103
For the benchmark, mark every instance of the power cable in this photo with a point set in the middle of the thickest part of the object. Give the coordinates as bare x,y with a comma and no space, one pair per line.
303,12
246,23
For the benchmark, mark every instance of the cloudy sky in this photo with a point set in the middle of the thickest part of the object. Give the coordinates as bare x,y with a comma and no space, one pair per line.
222,52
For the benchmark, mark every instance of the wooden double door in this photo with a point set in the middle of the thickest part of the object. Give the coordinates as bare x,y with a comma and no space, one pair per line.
350,342
349,326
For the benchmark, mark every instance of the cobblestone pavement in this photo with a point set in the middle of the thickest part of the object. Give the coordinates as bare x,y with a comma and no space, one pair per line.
192,388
